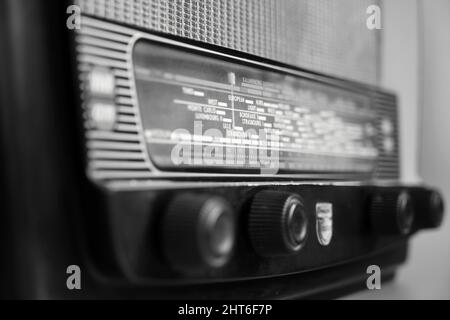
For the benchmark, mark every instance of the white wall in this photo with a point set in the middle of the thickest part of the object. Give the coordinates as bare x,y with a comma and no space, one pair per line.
430,255
400,72
422,79
416,64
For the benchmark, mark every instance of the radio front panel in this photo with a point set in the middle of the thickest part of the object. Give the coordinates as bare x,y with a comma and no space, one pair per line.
207,113
158,108
193,166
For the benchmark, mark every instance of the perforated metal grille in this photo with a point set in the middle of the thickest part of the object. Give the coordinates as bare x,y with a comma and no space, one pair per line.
388,166
329,36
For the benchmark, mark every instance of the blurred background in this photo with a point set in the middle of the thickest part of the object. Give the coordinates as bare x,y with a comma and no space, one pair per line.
416,64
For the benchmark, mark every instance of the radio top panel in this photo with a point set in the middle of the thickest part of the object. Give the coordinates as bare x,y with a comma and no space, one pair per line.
158,108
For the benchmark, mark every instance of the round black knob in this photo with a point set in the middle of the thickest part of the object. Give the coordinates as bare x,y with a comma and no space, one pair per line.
429,208
278,224
392,212
198,233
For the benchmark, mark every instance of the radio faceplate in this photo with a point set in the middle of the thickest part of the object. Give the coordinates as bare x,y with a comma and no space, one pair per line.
204,113
157,108
162,237
335,198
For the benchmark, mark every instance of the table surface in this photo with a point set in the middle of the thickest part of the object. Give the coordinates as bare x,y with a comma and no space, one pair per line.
426,274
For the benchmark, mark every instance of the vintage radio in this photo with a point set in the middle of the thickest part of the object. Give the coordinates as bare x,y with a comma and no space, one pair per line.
185,149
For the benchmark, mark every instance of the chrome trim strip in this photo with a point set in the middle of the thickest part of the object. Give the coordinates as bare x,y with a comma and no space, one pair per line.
147,185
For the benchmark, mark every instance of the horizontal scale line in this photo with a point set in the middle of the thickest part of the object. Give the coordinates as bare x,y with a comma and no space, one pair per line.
102,61
114,146
117,165
121,175
88,40
106,135
87,49
96,154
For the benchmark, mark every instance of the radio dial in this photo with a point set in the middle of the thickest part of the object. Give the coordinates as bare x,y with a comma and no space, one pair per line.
278,224
392,212
198,232
430,208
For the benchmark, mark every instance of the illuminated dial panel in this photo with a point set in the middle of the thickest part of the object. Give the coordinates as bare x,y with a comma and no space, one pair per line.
203,112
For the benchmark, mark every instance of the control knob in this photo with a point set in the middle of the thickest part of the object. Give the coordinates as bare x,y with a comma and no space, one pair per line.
198,232
278,224
429,208
391,212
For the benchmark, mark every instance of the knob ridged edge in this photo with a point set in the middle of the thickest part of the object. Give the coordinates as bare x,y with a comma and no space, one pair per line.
391,212
430,208
181,233
267,223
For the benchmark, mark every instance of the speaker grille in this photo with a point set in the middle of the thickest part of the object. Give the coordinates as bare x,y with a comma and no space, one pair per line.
322,35
388,166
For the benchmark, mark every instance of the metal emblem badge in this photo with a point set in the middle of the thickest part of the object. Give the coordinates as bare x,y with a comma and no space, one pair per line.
324,222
